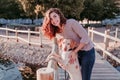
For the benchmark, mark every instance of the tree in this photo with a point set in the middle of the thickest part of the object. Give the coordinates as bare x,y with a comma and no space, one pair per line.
110,9
88,10
36,8
10,9
28,6
99,9
71,8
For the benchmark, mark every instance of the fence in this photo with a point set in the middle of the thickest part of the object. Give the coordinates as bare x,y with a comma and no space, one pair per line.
28,32
51,71
107,37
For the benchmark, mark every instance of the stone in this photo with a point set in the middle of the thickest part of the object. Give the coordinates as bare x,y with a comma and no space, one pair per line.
9,71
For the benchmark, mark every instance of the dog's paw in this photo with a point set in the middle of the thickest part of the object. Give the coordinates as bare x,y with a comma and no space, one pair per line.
47,59
50,57
62,66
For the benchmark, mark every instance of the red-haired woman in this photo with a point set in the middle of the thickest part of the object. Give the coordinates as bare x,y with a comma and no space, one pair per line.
55,24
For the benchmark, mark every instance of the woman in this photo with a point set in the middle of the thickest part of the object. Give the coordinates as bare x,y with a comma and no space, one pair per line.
56,25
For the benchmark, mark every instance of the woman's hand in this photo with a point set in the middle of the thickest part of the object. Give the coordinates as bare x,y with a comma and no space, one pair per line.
72,57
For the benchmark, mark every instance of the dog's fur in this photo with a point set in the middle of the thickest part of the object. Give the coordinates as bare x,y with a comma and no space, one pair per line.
66,46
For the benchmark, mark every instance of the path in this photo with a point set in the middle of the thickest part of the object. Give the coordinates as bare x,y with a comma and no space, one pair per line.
102,70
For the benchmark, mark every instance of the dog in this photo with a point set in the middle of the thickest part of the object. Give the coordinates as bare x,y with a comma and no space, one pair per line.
65,48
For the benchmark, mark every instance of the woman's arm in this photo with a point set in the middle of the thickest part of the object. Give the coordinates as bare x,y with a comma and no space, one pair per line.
73,54
80,46
82,34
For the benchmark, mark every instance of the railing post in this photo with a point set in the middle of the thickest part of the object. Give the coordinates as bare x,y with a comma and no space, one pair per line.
52,66
7,32
29,36
116,34
52,63
92,34
40,38
106,42
45,74
89,32
16,34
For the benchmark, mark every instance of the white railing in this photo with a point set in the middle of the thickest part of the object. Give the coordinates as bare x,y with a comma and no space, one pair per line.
16,32
51,71
107,37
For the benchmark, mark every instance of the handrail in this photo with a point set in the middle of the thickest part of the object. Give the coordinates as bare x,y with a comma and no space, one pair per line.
102,34
108,53
20,38
52,68
106,41
22,31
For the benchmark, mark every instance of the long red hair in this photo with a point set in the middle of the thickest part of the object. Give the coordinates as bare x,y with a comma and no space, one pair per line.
48,29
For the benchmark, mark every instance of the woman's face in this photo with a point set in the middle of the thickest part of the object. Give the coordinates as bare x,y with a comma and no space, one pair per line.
55,19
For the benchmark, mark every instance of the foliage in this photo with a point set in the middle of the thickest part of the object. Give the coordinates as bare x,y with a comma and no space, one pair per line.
10,9
70,8
110,10
99,9
36,8
93,9
28,7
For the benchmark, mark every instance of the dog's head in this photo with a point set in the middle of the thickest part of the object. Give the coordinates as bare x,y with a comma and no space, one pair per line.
66,44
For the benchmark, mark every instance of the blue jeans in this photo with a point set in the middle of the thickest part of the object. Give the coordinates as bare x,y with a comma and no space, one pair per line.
86,60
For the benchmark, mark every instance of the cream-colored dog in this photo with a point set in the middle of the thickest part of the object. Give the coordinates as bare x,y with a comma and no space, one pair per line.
66,46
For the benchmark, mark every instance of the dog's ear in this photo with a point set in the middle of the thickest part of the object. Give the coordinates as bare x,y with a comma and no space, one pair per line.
72,44
60,42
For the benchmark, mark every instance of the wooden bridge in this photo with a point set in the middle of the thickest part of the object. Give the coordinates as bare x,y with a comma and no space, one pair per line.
102,69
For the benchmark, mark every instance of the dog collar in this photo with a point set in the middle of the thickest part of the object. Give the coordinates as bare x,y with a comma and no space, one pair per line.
72,48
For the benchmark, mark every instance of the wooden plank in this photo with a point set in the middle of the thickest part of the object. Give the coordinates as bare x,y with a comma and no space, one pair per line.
102,70
105,78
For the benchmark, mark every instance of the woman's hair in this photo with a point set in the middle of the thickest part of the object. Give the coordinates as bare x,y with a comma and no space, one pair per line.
48,29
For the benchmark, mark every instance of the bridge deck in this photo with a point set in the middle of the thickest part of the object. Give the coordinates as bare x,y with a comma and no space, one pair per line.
102,71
